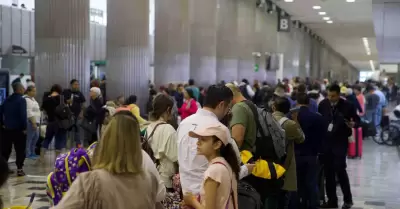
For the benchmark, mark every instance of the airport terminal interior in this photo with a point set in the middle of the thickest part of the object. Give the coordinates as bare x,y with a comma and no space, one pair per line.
129,44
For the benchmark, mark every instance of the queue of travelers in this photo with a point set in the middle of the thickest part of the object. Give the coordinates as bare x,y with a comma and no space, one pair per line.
205,147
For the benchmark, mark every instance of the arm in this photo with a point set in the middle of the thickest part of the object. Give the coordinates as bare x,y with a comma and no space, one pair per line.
29,111
24,116
151,168
170,148
250,91
294,132
193,107
210,189
238,124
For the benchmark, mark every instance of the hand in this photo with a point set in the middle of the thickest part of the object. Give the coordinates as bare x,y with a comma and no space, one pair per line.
189,198
351,123
250,167
294,116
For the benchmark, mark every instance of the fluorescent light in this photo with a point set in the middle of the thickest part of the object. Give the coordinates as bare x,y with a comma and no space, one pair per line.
371,63
288,0
350,1
322,13
366,45
326,18
316,7
329,21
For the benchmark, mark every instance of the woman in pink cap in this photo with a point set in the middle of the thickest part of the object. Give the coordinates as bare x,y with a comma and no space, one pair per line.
219,188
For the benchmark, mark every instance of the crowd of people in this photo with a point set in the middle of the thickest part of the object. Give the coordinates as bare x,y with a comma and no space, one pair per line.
199,141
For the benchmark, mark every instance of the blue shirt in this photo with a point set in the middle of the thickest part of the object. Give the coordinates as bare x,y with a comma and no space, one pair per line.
13,113
382,98
313,106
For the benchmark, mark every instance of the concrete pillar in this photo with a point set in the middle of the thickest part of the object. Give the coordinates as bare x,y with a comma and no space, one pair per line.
203,40
128,48
227,62
246,42
171,42
62,44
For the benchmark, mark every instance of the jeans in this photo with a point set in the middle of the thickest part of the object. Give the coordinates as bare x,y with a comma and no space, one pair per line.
60,135
18,138
32,135
76,132
307,181
336,166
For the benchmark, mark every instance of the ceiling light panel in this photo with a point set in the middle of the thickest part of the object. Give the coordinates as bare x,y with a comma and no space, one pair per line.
316,7
326,18
329,21
366,45
322,13
371,63
288,0
350,1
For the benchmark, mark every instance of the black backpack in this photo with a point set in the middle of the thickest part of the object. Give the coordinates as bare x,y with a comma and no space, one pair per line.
248,197
64,115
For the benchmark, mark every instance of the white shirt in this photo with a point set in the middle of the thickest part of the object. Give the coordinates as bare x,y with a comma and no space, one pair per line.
148,166
191,165
33,109
163,143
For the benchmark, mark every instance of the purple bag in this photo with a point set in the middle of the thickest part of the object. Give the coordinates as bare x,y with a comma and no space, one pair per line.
67,168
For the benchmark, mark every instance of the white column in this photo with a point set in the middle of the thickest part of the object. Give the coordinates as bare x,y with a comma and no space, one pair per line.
128,48
62,43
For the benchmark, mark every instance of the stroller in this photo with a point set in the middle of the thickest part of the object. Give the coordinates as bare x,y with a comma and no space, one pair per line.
391,129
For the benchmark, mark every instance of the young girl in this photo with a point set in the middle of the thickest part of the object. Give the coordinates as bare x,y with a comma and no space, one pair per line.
219,188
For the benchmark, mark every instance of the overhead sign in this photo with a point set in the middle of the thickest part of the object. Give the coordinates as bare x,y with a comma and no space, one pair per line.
284,23
18,50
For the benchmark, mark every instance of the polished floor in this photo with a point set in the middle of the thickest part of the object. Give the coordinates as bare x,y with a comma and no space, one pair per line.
375,180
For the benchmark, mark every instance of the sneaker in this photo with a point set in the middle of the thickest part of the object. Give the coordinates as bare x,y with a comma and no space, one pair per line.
20,172
347,205
329,205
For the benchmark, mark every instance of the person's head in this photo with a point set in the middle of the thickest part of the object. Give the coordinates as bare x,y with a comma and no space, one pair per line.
4,174
302,99
370,88
213,142
245,81
281,104
31,91
120,100
28,80
56,89
357,89
171,87
316,87
95,92
280,90
180,87
334,93
18,88
74,85
188,93
21,75
132,99
302,88
162,108
218,100
119,151
191,82
237,94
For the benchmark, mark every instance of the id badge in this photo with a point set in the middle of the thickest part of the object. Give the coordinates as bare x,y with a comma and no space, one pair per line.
330,127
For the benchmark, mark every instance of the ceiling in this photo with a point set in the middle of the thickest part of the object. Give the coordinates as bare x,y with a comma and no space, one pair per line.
351,22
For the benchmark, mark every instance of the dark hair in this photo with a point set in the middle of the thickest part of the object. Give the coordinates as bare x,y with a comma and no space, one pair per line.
56,88
217,94
227,119
180,85
334,88
28,80
30,88
282,104
316,86
357,87
191,82
131,100
228,153
16,86
302,88
245,81
281,86
73,81
152,92
21,75
189,91
302,99
161,104
369,88
4,174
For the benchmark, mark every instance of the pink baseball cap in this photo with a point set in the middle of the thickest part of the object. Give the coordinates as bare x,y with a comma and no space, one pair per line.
217,129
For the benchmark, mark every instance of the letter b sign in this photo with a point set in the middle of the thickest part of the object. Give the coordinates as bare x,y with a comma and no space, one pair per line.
284,24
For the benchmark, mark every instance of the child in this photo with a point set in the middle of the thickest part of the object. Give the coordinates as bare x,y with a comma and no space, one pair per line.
219,188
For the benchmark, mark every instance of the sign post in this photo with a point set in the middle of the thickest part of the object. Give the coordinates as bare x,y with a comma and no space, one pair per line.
284,23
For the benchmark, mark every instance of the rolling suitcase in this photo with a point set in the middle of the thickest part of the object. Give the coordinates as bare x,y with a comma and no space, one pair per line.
355,146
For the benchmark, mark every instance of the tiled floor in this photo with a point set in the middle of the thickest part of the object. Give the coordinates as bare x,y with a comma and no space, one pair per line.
375,180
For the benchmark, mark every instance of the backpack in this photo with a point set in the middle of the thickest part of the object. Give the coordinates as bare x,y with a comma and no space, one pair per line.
248,197
67,168
271,140
64,115
146,145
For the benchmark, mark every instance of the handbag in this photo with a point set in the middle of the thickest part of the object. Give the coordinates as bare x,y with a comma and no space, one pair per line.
89,126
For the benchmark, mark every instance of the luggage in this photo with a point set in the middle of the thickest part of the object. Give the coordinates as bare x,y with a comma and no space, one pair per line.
64,115
67,168
355,146
248,197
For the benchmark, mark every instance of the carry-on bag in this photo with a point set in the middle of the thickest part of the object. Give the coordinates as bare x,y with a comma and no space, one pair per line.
355,146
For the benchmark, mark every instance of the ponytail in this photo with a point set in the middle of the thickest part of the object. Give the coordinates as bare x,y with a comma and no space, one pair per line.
228,153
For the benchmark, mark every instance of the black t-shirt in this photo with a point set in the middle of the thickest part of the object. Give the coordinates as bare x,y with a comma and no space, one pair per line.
49,106
77,99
